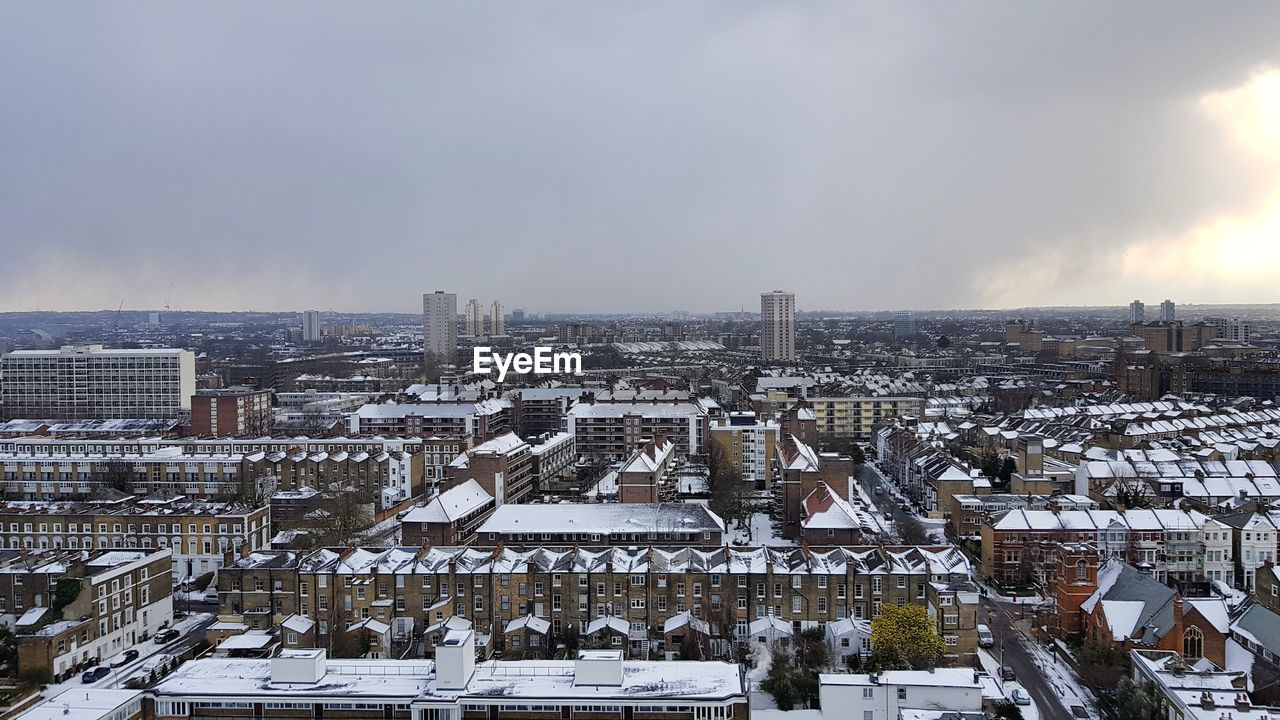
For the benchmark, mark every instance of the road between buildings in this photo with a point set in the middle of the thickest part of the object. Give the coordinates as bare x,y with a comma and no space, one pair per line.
1015,656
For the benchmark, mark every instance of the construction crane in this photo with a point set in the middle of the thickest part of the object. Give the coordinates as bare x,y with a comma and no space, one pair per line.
118,310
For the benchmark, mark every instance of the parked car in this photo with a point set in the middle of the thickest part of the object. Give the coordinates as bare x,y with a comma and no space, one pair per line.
124,658
1080,713
1006,673
879,489
211,596
95,674
167,635
1020,698
151,671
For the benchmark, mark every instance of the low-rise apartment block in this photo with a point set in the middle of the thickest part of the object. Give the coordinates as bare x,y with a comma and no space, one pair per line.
231,412
614,425
482,419
750,444
854,418
502,466
307,683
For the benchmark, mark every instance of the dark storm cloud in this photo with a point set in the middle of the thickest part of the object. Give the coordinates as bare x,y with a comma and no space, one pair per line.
594,156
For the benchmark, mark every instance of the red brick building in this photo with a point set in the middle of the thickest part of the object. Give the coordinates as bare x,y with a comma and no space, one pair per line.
231,412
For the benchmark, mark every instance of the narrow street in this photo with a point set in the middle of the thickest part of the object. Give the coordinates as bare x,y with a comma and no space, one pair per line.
1000,617
1009,649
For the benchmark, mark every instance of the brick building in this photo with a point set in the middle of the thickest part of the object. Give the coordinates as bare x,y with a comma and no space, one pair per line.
644,587
113,600
502,466
231,412
197,533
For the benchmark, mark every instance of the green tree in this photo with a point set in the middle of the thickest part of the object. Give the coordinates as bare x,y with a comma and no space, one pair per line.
903,638
793,674
990,464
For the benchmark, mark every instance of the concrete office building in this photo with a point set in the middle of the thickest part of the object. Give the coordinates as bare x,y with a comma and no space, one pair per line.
777,326
440,325
90,382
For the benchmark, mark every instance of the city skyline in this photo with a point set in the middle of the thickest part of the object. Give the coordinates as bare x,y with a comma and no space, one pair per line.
971,149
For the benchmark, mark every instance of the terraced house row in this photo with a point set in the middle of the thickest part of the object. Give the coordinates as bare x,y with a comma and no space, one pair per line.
46,469
643,600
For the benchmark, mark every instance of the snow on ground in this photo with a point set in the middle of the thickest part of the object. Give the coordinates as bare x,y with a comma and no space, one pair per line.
762,714
1060,677
1029,712
762,533
146,649
384,534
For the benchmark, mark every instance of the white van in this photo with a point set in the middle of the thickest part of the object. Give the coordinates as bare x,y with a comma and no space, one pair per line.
985,638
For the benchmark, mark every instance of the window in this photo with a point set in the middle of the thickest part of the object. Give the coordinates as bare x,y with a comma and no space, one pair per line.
1082,572
867,693
1192,643
902,694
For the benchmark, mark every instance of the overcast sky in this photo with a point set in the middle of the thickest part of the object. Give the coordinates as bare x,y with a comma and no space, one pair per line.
643,156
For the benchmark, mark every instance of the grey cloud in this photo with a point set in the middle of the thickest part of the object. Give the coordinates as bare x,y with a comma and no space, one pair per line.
592,156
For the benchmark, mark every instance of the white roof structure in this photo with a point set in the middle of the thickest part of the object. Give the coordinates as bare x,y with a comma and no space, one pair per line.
613,622
602,518
85,704
533,623
298,623
250,640
453,504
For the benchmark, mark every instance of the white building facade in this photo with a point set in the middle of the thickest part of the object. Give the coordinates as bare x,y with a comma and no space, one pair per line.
90,382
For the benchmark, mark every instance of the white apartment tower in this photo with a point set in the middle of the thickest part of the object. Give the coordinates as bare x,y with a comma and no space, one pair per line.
777,326
88,382
498,324
1168,311
1233,329
1137,312
311,326
474,318
440,325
